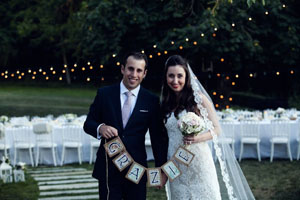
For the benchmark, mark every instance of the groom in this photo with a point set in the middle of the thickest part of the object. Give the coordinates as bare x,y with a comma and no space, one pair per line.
126,110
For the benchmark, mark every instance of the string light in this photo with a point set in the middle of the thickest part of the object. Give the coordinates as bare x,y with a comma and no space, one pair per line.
17,72
218,74
202,34
186,39
6,72
214,93
159,54
47,78
292,72
283,5
63,71
88,79
102,78
250,18
2,74
101,66
29,71
51,68
114,55
88,63
251,75
195,42
44,73
143,51
227,106
60,78
65,66
266,12
216,29
154,46
40,70
75,65
91,67
150,56
72,70
236,76
230,98
222,59
221,97
214,35
217,105
233,24
19,77
83,68
12,75
5,76
33,77
277,73
180,47
227,77
118,63
165,52
172,42
233,83
22,74
34,73
53,72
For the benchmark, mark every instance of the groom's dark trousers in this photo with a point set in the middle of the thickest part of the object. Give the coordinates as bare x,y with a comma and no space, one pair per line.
106,108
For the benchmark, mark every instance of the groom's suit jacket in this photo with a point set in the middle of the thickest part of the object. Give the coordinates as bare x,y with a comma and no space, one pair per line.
106,108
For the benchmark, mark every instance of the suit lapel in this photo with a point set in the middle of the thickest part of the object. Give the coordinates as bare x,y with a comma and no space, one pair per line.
137,107
117,105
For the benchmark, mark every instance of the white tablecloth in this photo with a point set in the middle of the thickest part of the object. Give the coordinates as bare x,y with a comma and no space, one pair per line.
249,151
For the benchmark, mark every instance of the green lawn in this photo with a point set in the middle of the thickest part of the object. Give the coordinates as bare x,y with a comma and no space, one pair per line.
278,180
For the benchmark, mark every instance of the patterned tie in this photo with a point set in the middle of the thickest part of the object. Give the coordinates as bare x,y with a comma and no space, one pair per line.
126,108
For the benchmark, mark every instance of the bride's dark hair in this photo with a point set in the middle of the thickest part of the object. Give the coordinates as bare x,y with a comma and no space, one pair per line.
185,98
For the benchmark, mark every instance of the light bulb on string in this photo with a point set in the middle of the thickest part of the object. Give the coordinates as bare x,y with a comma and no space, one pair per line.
65,66
6,76
236,76
53,72
292,71
202,34
214,93
251,75
83,68
150,56
88,63
63,71
72,70
180,47
227,107
60,78
195,42
266,13
277,73
22,74
114,55
159,54
101,66
33,77
6,72
165,52
217,105
88,79
233,83
283,5
230,99
91,67
44,73
34,73
19,77
75,65
12,75
172,42
102,78
143,51
154,46
250,18
51,68
40,70
186,39
233,24
215,29
47,78
17,72
118,63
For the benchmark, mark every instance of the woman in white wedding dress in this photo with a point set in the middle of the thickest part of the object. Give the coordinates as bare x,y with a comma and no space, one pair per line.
199,180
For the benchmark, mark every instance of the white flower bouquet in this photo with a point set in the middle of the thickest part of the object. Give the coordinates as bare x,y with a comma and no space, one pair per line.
70,117
191,124
3,119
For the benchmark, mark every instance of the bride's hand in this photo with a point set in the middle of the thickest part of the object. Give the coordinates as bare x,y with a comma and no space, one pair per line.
191,139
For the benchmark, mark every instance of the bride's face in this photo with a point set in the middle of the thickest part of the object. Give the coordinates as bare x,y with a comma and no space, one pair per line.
176,78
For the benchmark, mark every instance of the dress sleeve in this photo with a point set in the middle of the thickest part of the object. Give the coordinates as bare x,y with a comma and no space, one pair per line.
212,115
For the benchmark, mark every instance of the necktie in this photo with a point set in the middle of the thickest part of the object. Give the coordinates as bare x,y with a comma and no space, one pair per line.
126,108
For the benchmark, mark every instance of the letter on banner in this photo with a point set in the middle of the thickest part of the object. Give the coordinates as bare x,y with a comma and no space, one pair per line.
123,160
114,147
171,170
154,177
135,173
184,156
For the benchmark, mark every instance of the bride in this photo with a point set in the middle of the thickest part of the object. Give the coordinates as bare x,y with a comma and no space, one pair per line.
182,93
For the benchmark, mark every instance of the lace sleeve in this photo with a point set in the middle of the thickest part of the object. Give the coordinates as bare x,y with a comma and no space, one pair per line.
212,115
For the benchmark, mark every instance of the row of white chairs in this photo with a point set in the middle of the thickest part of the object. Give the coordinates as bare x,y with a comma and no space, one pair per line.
250,134
71,139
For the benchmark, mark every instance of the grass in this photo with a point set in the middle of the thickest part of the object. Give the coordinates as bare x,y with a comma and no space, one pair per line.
279,180
41,101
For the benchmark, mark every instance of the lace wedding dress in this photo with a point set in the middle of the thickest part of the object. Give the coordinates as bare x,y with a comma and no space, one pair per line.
198,180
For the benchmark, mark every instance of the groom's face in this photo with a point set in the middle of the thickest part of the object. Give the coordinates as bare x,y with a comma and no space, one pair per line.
133,72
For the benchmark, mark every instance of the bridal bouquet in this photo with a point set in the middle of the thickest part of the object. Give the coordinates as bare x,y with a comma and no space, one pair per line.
191,124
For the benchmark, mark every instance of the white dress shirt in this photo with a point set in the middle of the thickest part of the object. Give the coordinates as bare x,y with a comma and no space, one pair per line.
123,97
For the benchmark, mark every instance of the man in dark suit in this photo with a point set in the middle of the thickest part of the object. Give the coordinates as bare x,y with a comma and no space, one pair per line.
108,118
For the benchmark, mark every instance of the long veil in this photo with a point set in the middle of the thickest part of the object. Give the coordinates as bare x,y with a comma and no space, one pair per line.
233,184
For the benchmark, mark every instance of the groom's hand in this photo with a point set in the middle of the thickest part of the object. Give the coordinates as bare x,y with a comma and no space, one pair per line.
108,131
164,180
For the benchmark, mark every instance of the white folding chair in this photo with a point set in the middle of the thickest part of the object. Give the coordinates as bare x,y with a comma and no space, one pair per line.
22,139
250,135
280,135
44,140
3,145
228,129
72,140
95,143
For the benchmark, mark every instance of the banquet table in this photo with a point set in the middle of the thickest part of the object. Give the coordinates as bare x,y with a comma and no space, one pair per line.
72,156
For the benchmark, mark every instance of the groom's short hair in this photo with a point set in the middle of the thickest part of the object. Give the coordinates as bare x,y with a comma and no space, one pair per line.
137,56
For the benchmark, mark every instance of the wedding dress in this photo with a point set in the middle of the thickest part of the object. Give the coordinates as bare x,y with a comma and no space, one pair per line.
199,179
